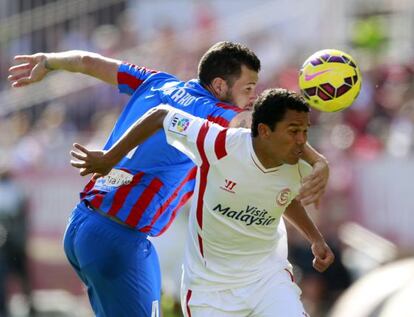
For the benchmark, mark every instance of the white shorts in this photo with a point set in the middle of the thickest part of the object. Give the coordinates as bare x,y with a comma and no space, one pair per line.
276,296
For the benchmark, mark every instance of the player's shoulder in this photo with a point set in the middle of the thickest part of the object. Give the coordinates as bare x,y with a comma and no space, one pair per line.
163,76
206,98
133,69
237,140
220,106
162,84
242,133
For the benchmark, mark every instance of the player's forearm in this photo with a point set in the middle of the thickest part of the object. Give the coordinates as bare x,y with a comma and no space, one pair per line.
312,156
88,63
140,131
299,218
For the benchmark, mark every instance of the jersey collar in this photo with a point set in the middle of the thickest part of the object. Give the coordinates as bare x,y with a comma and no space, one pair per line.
256,160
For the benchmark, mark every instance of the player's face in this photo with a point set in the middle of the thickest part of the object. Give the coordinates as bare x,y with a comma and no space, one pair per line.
285,144
243,91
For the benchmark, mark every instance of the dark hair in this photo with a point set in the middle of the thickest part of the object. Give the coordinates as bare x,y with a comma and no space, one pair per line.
271,106
224,60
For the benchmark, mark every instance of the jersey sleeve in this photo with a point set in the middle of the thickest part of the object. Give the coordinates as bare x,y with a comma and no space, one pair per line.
130,77
201,140
304,168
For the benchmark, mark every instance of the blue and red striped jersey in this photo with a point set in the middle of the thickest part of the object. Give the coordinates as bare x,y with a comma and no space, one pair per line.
148,187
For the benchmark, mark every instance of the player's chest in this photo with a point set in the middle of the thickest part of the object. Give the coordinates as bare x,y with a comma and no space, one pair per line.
247,188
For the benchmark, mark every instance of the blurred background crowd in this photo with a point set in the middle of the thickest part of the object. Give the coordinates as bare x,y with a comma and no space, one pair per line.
367,212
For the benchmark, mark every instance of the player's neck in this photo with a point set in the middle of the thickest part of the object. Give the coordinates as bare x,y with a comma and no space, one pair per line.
210,89
265,157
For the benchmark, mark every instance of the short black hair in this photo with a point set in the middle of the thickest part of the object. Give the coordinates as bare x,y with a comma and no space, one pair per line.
224,60
271,106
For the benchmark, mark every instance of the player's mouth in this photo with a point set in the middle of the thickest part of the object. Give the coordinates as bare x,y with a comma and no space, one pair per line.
298,153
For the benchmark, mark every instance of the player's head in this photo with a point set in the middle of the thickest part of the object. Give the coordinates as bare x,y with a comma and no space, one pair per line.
280,123
230,72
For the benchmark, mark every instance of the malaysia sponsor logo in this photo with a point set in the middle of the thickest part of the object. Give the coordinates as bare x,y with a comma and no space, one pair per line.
179,124
283,197
250,215
228,186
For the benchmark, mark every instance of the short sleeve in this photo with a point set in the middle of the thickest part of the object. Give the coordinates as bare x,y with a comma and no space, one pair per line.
130,77
202,141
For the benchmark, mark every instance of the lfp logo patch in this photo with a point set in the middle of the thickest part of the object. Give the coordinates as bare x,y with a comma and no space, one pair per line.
179,124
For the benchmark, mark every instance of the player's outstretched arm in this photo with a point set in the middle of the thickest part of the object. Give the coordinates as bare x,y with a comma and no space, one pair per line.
100,163
33,68
297,215
314,185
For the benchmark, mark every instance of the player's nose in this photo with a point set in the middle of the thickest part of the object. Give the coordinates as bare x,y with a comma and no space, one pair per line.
301,138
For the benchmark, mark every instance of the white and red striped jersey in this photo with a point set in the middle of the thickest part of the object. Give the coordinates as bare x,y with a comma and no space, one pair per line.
234,233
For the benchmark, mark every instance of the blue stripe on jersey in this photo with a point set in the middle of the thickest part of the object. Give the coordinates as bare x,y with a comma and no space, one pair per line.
126,89
155,159
166,218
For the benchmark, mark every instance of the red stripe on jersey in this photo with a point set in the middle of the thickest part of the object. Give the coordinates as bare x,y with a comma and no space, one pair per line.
87,188
142,203
191,175
203,171
200,244
187,301
219,120
127,79
97,200
220,144
122,193
229,107
182,202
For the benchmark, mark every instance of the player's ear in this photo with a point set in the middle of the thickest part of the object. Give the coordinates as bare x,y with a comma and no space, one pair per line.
263,130
219,86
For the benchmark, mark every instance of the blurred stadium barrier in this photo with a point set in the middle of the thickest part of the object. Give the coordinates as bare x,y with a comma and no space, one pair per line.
384,292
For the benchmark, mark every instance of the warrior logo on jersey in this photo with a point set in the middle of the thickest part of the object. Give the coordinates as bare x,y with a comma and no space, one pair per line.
179,124
228,185
283,197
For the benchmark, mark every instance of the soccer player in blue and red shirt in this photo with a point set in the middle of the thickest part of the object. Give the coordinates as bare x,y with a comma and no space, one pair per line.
106,238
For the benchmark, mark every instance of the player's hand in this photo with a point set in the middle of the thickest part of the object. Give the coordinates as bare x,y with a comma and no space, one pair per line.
89,162
30,69
314,185
323,255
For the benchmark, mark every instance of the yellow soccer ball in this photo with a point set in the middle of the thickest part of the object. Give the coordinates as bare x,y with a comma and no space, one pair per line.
330,80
